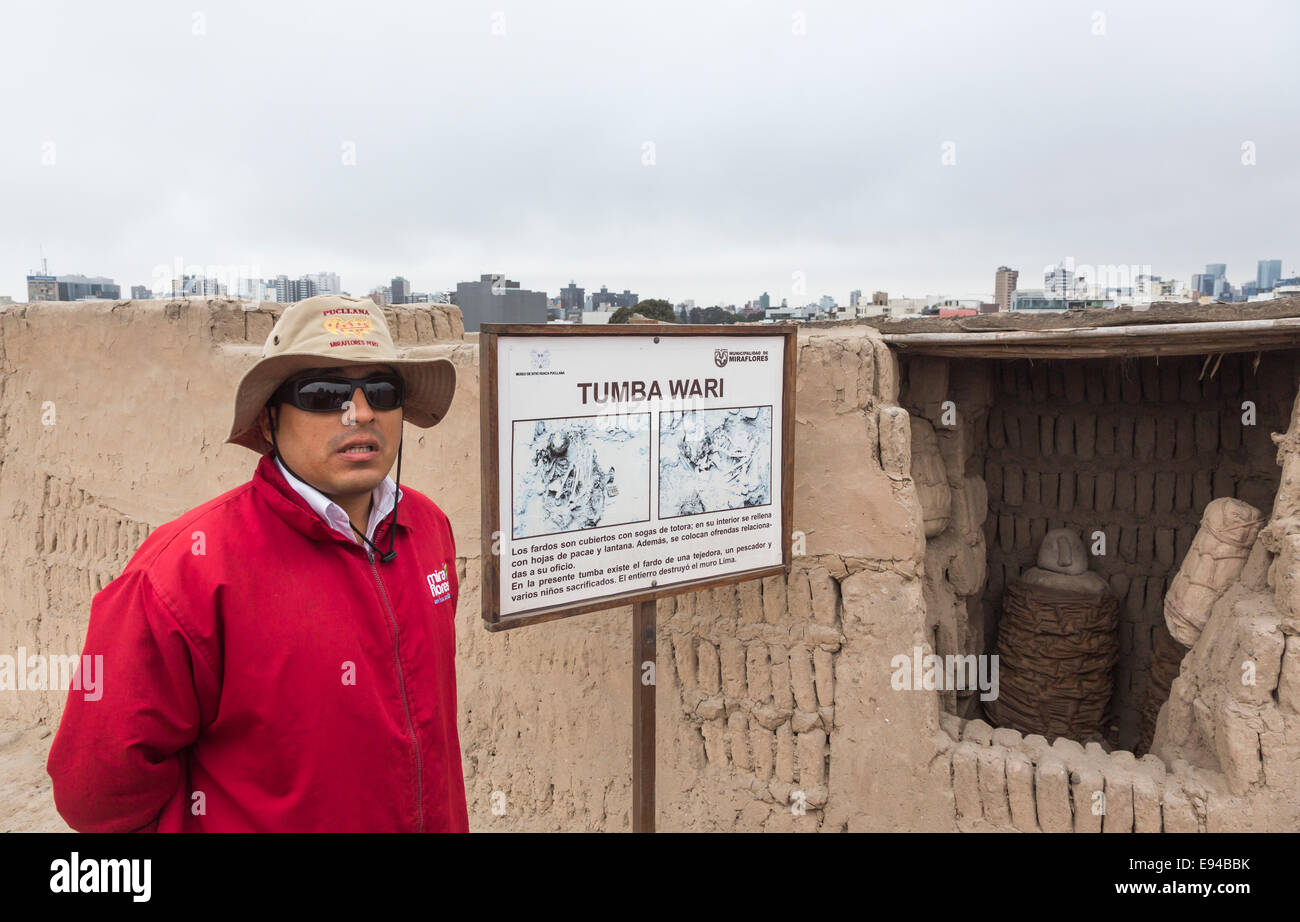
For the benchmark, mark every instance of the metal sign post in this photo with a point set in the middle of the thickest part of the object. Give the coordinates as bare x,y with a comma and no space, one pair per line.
644,684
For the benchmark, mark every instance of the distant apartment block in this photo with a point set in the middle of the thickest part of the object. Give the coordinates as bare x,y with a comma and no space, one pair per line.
42,288
606,297
902,307
571,298
1004,283
71,288
600,316
1030,299
1061,281
400,290
327,283
192,286
496,299
783,313
971,305
286,290
141,293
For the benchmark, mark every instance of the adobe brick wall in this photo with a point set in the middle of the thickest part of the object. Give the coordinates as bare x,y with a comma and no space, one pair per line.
760,686
768,692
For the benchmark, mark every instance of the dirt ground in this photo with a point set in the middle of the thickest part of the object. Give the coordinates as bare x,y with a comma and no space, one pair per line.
26,802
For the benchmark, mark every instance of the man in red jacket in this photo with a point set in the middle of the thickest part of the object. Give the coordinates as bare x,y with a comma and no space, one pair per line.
268,664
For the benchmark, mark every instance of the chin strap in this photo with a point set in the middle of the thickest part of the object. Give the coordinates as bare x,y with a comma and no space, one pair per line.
390,555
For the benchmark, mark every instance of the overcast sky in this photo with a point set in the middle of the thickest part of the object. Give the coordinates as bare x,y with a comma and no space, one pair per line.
708,149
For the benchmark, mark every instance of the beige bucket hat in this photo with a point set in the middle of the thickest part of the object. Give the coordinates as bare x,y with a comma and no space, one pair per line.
337,330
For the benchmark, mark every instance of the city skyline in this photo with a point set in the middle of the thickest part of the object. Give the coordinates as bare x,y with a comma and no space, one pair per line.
863,148
1028,279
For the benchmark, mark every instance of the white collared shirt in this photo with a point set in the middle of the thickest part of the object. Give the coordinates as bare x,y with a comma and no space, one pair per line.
381,504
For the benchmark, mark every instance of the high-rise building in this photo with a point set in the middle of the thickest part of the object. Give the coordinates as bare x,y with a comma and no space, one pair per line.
141,293
855,297
327,283
252,290
197,286
605,296
496,299
1215,281
1061,281
1004,283
1267,275
765,301
80,287
401,290
571,298
286,290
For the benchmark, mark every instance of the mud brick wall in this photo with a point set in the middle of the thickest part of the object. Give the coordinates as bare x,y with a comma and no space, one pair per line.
112,419
949,403
772,695
1134,449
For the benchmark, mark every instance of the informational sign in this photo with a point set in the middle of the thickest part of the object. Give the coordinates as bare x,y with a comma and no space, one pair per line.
625,463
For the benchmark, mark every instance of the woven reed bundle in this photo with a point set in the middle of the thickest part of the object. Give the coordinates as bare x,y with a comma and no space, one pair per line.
1057,652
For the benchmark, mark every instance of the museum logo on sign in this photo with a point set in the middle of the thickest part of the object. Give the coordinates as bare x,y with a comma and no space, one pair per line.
539,363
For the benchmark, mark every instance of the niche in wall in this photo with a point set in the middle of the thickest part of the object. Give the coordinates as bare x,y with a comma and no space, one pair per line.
1125,452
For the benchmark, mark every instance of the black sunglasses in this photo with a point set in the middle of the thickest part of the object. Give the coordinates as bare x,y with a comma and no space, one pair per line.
328,393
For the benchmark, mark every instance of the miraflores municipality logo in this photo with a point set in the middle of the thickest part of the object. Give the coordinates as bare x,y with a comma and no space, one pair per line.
439,584
541,359
722,356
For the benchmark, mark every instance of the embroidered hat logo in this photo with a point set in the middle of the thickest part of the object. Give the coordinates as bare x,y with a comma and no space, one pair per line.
356,325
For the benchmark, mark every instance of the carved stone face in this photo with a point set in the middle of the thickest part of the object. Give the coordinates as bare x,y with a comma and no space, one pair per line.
1062,552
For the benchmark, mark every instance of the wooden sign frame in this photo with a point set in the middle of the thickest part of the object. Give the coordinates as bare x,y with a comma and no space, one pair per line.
489,336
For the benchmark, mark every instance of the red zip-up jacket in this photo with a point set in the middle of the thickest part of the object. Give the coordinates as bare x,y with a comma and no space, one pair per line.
261,673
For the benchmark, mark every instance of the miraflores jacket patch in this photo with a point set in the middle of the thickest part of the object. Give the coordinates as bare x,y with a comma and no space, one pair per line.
262,673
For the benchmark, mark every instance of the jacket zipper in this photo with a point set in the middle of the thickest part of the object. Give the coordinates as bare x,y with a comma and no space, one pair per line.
401,679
